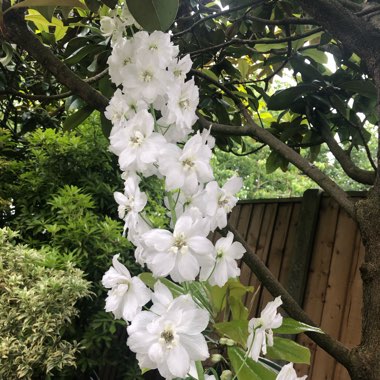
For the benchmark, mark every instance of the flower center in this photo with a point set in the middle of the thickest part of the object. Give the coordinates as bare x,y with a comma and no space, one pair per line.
167,336
188,163
179,244
177,73
153,47
127,61
147,76
137,139
219,254
184,104
224,202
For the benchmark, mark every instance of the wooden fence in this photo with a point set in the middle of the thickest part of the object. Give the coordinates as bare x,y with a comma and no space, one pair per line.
314,248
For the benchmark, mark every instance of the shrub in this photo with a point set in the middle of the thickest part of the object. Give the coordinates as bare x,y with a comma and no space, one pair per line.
38,296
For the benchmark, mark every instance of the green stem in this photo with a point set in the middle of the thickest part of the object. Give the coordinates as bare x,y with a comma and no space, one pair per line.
200,370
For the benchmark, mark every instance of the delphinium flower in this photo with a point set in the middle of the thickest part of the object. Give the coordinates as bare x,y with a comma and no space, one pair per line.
127,294
171,341
131,203
288,373
260,329
137,145
225,265
179,253
188,167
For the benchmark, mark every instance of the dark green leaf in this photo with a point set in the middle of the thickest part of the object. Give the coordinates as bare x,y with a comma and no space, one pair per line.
246,368
274,161
291,326
48,3
237,330
154,14
289,350
284,98
363,87
77,118
110,3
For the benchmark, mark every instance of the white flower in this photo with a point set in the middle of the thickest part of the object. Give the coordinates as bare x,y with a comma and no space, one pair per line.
108,25
123,107
146,78
181,253
185,169
260,329
131,203
216,202
136,144
156,47
121,59
127,295
288,373
182,103
225,265
172,341
179,68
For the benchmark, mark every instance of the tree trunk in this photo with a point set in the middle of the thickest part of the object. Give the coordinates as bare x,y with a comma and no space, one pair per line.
366,357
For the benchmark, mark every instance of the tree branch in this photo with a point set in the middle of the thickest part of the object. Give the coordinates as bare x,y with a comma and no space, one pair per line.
16,31
330,345
363,176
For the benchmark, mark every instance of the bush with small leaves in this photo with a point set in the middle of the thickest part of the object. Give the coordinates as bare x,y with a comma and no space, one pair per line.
38,297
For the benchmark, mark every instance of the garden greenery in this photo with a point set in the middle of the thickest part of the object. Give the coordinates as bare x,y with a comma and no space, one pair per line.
38,298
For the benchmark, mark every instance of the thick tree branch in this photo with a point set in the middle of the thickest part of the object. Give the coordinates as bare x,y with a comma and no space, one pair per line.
360,175
16,31
330,345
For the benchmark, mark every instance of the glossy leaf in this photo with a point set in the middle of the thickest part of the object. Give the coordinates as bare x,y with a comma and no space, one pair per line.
247,369
362,87
237,330
77,118
291,326
154,14
289,350
284,98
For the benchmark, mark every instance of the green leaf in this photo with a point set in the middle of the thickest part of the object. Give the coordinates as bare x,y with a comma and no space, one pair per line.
237,330
362,87
110,3
154,14
274,161
284,98
83,52
77,118
149,280
246,368
289,350
291,326
48,3
47,12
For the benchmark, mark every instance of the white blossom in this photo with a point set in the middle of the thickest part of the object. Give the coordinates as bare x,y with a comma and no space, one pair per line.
225,265
137,144
121,59
260,329
172,341
127,295
186,168
288,373
179,253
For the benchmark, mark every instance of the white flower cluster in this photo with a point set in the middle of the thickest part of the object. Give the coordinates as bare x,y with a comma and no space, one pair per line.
152,113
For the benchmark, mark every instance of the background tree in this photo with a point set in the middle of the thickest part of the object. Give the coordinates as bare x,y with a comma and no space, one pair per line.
237,51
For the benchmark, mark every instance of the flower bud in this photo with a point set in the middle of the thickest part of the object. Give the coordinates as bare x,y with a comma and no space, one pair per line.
230,342
216,358
226,375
